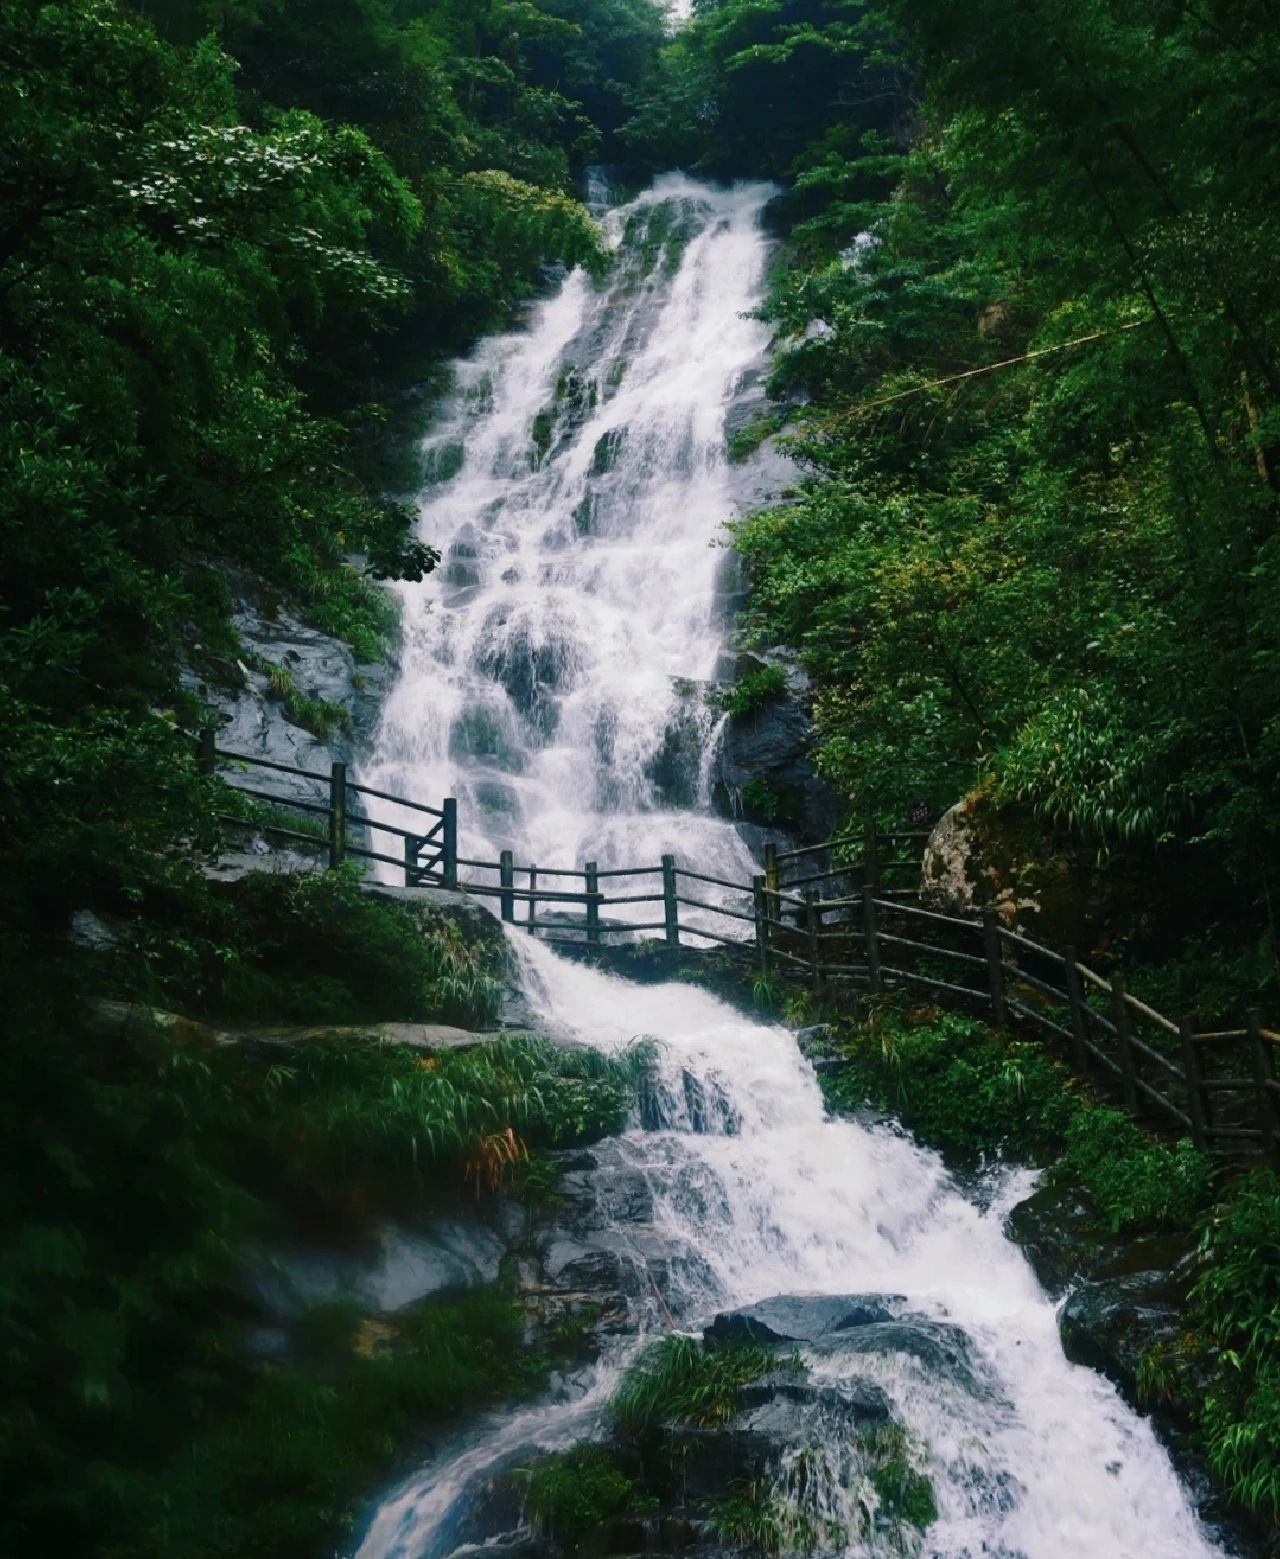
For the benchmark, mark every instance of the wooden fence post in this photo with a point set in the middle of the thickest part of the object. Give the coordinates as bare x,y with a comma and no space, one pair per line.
761,904
592,875
507,881
207,751
450,842
337,814
772,880
1079,1012
533,903
412,845
874,978
812,926
995,967
871,862
1124,1040
1195,1093
671,910
1263,1076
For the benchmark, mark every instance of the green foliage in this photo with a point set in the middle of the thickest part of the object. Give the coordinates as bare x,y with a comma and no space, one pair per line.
344,1112
1034,330
303,947
1233,1312
749,1520
237,228
575,1491
1135,1180
682,1380
752,691
744,441
962,1086
135,1419
357,1389
761,803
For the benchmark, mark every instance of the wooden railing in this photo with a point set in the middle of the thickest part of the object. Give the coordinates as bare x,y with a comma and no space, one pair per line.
825,914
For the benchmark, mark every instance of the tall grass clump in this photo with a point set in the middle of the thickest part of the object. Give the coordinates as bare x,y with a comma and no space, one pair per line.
682,1380
395,1114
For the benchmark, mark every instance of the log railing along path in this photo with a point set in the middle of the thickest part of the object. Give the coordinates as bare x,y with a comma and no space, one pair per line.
840,913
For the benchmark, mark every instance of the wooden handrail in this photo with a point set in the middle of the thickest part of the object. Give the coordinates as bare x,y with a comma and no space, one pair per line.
1105,1042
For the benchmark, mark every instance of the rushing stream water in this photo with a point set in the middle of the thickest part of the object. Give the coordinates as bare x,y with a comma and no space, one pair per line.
580,483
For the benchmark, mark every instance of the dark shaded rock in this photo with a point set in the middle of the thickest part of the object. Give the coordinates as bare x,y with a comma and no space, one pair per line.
772,747
674,769
255,718
803,1318
1057,1228
1110,1325
396,1267
986,855
939,1346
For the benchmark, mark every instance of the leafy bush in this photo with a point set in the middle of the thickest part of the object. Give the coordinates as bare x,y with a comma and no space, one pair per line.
575,1491
342,1112
1134,1178
135,1421
1234,1310
281,1471
752,691
963,1087
970,1090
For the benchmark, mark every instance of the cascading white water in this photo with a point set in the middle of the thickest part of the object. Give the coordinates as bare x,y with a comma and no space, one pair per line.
551,681
581,583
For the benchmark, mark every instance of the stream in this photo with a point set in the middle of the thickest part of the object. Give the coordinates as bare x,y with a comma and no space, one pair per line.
549,680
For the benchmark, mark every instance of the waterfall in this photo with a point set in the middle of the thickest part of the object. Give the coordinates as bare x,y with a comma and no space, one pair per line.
579,485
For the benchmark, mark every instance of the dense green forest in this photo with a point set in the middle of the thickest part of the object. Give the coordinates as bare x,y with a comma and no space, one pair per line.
1029,310
1028,358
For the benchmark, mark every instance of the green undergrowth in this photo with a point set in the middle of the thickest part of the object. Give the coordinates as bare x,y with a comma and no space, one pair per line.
285,1472
1222,1371
392,1117
972,1092
304,947
751,692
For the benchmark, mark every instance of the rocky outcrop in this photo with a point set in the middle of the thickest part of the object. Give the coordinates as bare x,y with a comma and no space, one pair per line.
288,673
1123,1300
764,771
108,1015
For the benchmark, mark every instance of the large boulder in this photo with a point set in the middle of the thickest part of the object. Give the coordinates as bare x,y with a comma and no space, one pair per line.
982,855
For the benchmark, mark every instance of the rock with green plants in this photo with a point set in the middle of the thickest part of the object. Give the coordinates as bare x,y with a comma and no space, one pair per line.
728,1442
